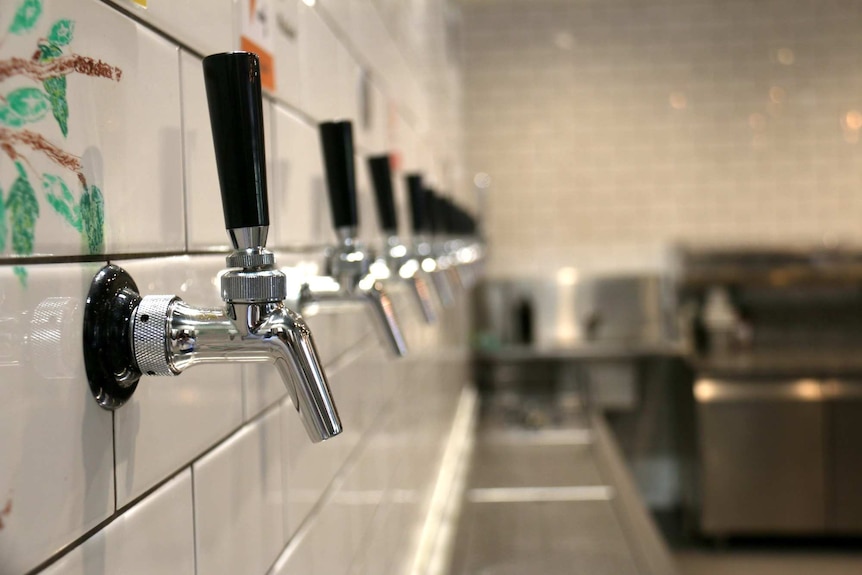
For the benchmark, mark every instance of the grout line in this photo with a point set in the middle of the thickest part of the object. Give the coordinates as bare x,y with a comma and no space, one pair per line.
194,519
84,537
114,454
97,258
306,249
183,158
331,489
63,551
405,111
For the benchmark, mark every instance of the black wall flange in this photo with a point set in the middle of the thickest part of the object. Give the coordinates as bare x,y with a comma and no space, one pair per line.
108,353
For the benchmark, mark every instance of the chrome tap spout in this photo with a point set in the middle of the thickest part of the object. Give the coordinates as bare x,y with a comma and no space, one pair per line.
368,291
400,264
170,337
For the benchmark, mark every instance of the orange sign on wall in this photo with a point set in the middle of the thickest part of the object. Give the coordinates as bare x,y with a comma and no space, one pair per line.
256,35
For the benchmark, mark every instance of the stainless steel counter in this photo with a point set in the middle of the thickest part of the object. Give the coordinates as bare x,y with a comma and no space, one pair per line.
554,501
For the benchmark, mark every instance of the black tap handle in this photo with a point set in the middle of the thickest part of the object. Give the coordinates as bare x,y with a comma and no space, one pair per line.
236,116
336,140
381,177
444,221
416,192
432,224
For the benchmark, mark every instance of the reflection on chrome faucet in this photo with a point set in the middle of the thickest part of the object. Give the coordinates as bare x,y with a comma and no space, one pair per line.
349,281
396,261
348,266
126,335
46,338
423,244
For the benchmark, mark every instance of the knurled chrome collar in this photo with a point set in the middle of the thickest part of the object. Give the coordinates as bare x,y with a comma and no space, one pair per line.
259,286
251,258
149,334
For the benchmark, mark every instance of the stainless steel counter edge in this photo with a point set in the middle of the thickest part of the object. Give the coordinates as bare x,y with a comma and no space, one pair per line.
649,550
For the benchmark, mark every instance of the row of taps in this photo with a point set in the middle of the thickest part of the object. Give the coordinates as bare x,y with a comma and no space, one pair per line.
127,335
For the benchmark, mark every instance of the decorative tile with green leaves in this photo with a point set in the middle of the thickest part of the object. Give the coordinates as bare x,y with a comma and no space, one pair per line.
47,68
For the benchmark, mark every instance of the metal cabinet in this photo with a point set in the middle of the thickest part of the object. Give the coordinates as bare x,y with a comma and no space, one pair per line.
845,447
762,456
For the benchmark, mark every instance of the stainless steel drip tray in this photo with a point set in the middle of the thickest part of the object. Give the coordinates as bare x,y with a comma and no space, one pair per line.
553,538
553,501
525,462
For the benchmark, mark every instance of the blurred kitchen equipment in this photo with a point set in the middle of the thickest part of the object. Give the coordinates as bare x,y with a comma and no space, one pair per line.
778,390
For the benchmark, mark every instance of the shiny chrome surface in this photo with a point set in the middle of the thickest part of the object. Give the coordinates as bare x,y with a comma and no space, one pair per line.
350,281
368,292
400,266
241,332
424,252
579,311
248,238
253,285
762,449
765,441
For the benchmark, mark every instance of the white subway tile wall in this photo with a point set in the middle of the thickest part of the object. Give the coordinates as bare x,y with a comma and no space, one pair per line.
611,129
155,536
211,471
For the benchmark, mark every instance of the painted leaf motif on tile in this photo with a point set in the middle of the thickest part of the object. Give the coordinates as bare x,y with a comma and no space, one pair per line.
62,200
93,217
61,32
26,16
23,211
55,88
30,104
9,118
23,146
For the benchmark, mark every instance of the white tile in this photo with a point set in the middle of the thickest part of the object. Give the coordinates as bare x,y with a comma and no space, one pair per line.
340,15
372,137
238,501
182,20
154,536
170,420
310,468
348,76
299,205
205,218
125,129
319,64
368,34
331,539
56,480
287,60
298,557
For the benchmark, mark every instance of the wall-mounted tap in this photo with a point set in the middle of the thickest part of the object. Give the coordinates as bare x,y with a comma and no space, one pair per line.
423,239
348,277
126,335
399,260
459,247
441,237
